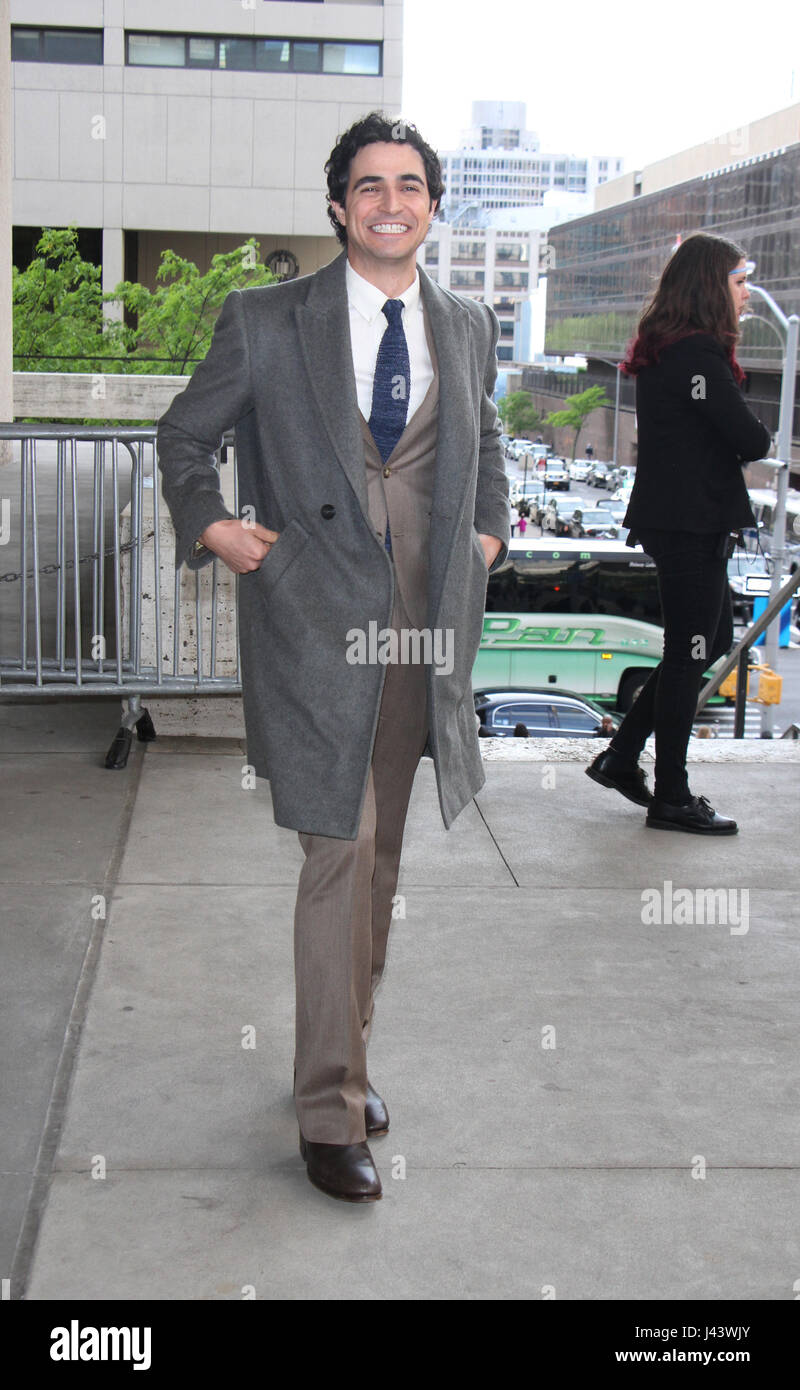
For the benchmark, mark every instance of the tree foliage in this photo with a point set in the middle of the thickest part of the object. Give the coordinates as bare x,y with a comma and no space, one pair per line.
518,413
578,408
60,324
175,321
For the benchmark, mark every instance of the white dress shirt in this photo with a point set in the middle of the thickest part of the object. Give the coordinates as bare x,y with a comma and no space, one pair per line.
368,324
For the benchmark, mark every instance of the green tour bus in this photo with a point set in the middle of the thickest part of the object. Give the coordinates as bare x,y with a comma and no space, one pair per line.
583,615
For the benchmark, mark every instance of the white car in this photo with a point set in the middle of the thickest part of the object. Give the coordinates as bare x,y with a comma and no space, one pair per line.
579,470
556,475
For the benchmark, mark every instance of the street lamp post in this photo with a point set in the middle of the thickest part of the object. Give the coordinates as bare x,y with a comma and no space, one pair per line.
789,338
616,416
608,362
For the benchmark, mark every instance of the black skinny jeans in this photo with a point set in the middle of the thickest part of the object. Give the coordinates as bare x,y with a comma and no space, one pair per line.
698,628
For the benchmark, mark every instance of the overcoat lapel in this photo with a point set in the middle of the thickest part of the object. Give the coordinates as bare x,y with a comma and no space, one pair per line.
323,327
455,447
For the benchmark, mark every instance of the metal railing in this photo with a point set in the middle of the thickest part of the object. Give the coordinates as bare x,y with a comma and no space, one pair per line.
86,513
87,578
737,658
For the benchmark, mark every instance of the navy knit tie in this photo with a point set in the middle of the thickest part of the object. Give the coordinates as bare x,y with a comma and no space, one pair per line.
390,388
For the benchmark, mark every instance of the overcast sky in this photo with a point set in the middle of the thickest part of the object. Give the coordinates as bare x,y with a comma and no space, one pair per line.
641,80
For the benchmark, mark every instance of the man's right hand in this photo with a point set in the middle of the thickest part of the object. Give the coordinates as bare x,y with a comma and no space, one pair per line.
240,545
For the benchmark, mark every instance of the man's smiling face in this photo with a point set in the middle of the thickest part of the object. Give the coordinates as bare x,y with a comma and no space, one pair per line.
387,209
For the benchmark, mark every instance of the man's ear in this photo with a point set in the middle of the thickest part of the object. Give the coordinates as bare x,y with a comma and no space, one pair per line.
340,212
434,208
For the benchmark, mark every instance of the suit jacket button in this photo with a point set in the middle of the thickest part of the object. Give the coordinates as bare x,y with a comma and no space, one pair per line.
327,511
387,472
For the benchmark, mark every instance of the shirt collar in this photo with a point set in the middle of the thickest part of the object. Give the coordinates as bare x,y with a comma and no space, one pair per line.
369,300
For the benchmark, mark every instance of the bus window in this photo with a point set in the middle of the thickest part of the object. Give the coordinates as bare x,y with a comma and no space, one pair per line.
581,615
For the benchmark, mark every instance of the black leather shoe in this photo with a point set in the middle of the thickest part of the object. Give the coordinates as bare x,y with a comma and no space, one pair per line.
376,1115
696,816
610,771
345,1171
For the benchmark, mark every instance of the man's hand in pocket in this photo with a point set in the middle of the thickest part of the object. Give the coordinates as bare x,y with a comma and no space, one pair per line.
240,545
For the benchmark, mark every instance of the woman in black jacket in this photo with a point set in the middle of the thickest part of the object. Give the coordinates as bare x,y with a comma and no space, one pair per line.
689,496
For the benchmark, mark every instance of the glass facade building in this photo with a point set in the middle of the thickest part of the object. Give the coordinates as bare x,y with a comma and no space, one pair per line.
606,266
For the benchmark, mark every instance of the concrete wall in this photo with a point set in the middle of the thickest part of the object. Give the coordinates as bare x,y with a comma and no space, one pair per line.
170,149
79,396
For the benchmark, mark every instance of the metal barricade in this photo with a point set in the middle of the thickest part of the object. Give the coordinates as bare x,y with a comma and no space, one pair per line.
90,601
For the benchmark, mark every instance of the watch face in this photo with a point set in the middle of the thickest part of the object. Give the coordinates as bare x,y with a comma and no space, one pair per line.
284,264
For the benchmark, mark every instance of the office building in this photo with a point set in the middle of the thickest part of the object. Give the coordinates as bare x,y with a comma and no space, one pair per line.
493,264
190,125
607,265
499,164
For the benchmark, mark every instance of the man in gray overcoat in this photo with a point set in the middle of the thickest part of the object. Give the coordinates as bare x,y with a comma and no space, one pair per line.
375,501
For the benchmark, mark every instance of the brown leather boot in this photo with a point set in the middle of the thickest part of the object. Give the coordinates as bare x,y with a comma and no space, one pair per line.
376,1115
345,1171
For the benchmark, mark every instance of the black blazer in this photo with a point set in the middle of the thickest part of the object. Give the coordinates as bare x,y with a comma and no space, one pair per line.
695,432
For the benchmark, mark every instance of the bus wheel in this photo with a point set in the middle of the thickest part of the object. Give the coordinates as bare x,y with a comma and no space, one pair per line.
630,689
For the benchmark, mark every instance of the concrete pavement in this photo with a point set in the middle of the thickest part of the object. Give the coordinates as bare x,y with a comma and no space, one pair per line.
580,1100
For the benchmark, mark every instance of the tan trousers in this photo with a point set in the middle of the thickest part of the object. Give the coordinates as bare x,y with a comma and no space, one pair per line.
343,915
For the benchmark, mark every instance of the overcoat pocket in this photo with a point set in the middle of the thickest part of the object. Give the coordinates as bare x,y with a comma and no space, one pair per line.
291,540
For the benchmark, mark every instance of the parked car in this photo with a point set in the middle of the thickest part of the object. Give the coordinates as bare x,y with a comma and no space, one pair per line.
519,488
563,517
556,476
598,522
553,521
544,712
533,503
747,575
598,475
579,469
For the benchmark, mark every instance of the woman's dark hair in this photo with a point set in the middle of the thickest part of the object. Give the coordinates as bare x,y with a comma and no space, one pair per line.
370,130
693,296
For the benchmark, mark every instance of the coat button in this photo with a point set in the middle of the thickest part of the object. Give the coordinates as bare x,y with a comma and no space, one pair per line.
327,511
387,472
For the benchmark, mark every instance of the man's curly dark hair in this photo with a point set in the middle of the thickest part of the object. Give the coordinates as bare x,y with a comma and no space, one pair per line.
371,129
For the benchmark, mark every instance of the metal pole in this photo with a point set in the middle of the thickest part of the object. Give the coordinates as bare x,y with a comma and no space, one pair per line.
790,327
616,416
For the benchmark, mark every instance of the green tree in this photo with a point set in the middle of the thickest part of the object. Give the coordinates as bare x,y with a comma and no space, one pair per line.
176,320
575,413
518,414
59,324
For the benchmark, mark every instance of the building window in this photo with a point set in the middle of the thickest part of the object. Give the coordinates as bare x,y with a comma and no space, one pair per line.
202,53
306,57
273,55
358,59
237,55
253,55
157,50
56,45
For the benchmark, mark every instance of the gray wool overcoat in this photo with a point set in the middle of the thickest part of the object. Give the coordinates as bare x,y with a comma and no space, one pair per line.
280,371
